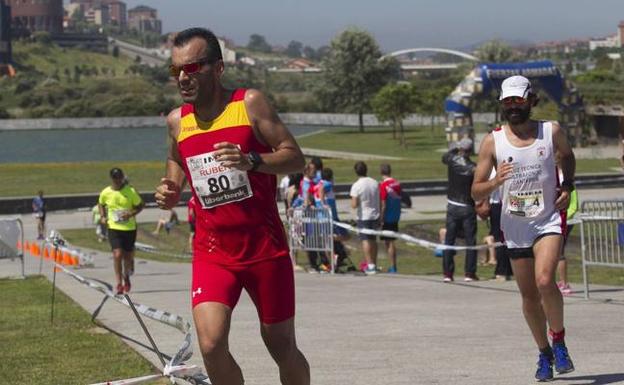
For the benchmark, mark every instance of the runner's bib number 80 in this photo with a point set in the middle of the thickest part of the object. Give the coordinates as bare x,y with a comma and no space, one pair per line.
216,185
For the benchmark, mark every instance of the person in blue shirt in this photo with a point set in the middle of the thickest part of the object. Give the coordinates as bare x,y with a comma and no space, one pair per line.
39,212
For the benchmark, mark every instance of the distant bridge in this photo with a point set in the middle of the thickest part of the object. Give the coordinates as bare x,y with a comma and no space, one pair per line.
431,66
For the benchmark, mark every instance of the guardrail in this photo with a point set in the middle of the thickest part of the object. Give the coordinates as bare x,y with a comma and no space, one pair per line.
23,205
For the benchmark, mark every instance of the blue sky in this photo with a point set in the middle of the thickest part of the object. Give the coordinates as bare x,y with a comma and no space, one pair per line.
396,24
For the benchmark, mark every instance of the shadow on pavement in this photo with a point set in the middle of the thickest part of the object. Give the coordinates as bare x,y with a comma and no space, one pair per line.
598,379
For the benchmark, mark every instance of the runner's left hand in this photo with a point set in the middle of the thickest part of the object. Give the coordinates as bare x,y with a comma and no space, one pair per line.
231,156
125,215
563,200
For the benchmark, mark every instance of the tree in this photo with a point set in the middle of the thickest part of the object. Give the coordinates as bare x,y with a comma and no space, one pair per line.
322,52
309,52
353,73
495,51
430,100
258,43
294,49
393,103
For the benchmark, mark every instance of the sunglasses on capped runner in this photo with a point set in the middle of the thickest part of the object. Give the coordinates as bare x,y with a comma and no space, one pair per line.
189,69
515,100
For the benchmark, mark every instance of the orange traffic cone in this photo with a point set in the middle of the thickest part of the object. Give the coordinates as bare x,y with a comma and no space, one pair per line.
66,258
26,246
37,250
19,245
75,261
46,253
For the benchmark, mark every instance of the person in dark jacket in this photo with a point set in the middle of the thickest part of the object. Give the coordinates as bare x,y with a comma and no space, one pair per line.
460,212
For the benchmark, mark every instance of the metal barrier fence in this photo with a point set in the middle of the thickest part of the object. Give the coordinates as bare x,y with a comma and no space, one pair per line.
12,239
602,236
310,229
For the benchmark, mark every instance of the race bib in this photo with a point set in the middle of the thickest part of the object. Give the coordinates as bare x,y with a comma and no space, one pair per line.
118,216
216,185
526,203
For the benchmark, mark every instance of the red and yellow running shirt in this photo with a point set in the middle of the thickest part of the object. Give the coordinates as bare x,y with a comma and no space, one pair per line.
237,221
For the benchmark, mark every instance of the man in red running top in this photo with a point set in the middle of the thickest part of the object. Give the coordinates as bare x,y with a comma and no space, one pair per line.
229,145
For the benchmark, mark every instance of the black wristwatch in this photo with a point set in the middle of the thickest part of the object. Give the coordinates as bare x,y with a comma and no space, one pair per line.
255,159
569,184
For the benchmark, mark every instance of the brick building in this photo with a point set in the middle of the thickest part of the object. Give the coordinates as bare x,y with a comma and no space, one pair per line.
144,19
117,12
40,15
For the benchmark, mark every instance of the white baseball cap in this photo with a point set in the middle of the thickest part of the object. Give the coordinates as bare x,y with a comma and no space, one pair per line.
515,86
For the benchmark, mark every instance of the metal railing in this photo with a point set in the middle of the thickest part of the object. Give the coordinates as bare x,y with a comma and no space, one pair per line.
12,240
311,229
602,236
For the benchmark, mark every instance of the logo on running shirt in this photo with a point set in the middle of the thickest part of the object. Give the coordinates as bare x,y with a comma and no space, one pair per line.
197,292
541,152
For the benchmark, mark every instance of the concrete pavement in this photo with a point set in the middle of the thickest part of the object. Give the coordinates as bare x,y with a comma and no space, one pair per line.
374,330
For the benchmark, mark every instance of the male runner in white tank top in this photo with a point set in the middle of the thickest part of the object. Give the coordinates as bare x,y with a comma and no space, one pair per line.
533,213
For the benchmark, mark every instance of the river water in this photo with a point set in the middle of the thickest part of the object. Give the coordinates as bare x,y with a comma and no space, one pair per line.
114,144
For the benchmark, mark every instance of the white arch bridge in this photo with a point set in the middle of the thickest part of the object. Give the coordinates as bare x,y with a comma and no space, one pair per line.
416,66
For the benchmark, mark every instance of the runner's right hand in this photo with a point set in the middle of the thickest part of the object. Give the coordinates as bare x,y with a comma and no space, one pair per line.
167,194
503,172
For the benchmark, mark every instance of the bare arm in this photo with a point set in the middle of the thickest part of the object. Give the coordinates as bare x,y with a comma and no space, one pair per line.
482,186
137,209
382,205
322,196
102,211
354,202
286,157
168,191
567,163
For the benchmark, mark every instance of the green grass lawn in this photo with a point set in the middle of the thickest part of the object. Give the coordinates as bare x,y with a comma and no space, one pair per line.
74,178
71,351
411,259
422,142
50,59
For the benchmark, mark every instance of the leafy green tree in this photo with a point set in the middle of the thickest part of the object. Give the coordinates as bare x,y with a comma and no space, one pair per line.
42,37
393,103
258,43
353,73
4,114
431,102
294,49
322,52
309,52
495,51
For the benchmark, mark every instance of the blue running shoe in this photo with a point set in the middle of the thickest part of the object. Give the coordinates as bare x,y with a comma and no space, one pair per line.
563,363
544,368
392,270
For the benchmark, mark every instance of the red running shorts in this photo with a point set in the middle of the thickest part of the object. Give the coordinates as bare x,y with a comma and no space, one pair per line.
269,283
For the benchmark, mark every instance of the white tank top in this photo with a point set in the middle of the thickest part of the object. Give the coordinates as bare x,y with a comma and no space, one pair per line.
529,195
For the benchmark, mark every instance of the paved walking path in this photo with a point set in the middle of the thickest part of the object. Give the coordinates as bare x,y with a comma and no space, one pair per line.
373,330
